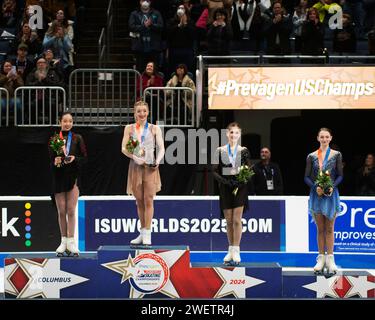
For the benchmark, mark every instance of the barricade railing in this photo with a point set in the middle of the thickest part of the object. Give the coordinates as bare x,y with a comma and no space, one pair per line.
38,106
4,108
171,106
103,96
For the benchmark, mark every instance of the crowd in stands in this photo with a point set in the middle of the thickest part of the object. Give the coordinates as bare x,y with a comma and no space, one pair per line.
34,56
175,31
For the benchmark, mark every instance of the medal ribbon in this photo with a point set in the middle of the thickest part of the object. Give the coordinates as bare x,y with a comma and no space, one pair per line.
322,163
232,157
68,143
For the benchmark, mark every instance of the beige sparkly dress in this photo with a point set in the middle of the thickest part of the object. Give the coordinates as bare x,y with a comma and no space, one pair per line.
140,174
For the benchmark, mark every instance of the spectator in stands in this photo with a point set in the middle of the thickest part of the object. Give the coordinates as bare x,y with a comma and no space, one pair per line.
145,26
277,27
201,30
44,101
299,17
10,80
67,25
226,164
143,174
152,78
324,204
59,42
53,63
242,14
30,38
213,5
365,179
267,179
23,65
8,16
43,75
312,35
345,40
326,8
181,40
66,183
181,99
219,34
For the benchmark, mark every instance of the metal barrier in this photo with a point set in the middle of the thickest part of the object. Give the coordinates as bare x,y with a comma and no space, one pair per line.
103,96
39,106
169,106
4,107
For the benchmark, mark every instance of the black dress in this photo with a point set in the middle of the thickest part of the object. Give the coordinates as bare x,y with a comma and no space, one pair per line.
64,177
222,171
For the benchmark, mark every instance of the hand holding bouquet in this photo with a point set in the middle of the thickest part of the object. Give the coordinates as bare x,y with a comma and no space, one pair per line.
243,176
57,145
324,181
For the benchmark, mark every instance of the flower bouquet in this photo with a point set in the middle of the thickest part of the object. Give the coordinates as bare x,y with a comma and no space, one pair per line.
57,145
244,175
133,147
324,181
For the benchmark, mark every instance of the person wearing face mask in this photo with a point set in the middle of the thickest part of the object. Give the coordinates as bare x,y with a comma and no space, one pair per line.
145,26
180,31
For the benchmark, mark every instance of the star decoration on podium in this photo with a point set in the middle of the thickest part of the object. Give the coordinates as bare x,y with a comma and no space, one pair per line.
24,280
238,288
341,286
124,267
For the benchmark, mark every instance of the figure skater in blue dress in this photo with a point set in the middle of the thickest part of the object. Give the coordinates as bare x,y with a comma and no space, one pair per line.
324,204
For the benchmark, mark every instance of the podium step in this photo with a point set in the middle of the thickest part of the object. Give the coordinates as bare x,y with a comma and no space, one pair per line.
168,272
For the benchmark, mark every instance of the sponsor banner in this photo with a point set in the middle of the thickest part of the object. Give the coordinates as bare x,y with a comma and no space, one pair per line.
28,226
50,278
166,273
195,223
354,227
302,88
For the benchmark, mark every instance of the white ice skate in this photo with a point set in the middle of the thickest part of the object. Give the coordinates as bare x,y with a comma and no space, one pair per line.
331,265
228,257
71,248
139,239
147,237
61,248
320,263
236,258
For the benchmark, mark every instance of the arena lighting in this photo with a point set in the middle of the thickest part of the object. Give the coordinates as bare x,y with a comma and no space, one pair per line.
291,88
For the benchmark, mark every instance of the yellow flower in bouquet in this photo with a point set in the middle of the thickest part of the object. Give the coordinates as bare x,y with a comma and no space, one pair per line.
324,181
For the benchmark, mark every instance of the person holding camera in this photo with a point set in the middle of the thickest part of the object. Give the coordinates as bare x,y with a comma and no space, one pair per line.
66,166
139,143
227,162
324,203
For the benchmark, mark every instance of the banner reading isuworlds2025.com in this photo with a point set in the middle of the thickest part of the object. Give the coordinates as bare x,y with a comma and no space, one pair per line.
195,223
354,227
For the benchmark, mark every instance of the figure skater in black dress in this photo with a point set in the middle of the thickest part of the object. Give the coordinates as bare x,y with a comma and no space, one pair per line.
65,172
227,162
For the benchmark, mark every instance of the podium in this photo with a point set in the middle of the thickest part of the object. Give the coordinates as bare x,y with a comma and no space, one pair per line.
135,273
166,272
